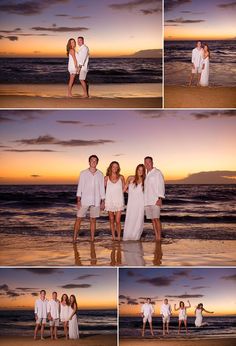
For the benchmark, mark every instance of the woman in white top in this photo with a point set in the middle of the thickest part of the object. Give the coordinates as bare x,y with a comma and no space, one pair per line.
204,80
72,64
182,314
114,199
134,219
198,313
73,321
64,313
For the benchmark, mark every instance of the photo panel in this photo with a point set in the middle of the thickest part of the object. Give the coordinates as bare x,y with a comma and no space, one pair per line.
173,306
76,188
52,305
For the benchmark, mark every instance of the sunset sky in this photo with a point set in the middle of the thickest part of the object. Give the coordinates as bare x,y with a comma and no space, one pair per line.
53,146
110,27
93,288
200,19
214,287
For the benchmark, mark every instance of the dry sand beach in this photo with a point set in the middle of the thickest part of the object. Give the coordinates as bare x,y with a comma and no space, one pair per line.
101,96
199,97
95,340
219,341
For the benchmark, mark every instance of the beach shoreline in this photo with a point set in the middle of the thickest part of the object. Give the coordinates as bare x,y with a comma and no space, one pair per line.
199,97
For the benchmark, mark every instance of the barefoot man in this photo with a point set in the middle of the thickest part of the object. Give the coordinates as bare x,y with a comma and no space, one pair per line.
82,58
90,196
197,61
40,312
147,312
154,192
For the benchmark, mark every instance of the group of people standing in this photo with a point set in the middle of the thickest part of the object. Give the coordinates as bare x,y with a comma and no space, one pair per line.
55,311
147,312
145,188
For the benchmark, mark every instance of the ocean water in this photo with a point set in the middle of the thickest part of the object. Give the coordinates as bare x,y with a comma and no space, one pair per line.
131,326
21,322
222,62
189,212
101,71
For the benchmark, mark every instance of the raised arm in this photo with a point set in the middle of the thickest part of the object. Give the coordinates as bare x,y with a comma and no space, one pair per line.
208,312
189,305
176,309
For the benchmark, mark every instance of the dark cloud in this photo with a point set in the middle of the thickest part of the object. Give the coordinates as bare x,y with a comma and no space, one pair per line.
196,278
122,296
4,287
35,176
60,28
213,114
34,294
27,8
171,4
86,276
117,155
19,115
151,11
43,271
132,301
181,273
199,287
98,125
4,119
157,281
16,30
229,5
11,38
73,122
181,20
186,296
27,289
130,5
130,273
31,151
71,286
48,139
13,294
151,114
79,17
229,277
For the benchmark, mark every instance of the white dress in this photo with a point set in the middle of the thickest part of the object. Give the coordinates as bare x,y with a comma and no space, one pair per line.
71,65
198,321
73,326
182,314
64,313
204,80
114,199
134,220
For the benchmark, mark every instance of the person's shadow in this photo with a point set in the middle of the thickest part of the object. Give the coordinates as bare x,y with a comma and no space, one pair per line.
93,257
157,254
116,258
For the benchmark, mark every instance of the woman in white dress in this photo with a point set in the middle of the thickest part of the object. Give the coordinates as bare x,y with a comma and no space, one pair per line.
134,219
198,313
204,80
72,64
114,199
64,313
73,321
182,314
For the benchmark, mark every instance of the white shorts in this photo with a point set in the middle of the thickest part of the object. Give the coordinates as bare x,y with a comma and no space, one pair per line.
83,74
183,318
197,70
41,321
72,71
152,212
166,319
147,318
54,323
93,211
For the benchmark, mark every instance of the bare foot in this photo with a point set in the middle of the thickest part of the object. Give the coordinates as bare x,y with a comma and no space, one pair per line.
85,97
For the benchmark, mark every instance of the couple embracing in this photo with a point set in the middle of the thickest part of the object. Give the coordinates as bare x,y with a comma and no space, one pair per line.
145,189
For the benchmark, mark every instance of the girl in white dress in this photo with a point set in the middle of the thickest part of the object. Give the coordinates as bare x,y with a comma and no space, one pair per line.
198,313
73,321
182,314
72,64
204,80
64,313
134,219
114,199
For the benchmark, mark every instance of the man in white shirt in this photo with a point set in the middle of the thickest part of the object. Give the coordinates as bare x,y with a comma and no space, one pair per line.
82,58
53,312
166,313
147,312
197,61
40,312
154,192
90,196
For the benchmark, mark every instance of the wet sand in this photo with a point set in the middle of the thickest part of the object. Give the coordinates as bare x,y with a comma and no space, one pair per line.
199,97
95,340
54,251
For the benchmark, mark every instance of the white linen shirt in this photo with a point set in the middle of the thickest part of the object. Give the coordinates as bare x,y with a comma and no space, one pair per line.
166,310
91,188
53,308
40,308
82,57
197,57
147,310
154,187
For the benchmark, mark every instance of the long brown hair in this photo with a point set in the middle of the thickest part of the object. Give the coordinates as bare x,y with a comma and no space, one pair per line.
109,169
68,46
136,177
208,49
67,299
74,304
